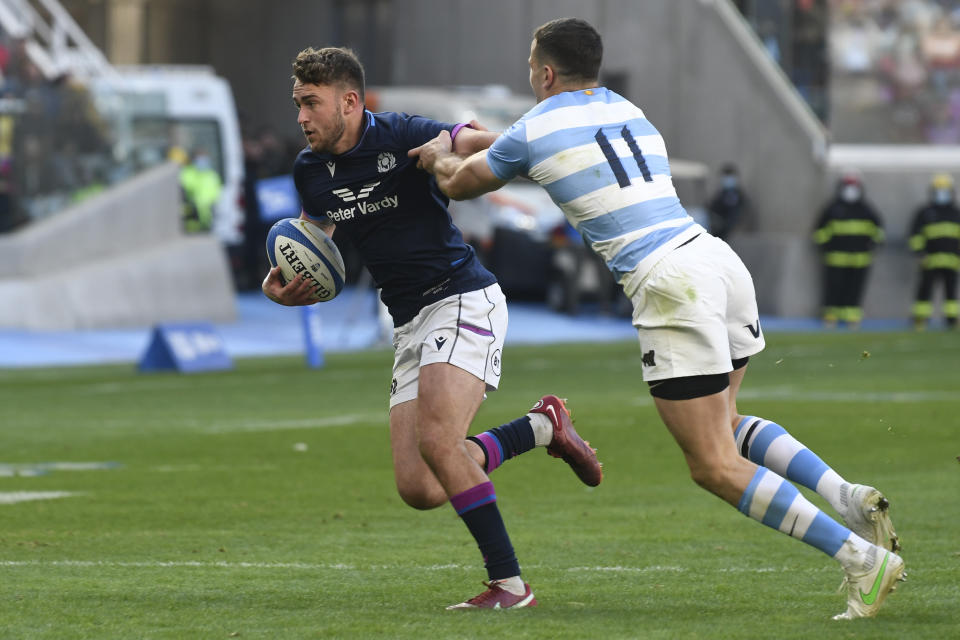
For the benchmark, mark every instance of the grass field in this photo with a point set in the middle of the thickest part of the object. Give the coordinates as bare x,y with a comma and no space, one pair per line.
259,503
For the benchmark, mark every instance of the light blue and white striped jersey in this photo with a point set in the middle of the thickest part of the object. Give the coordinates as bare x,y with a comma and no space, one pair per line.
606,167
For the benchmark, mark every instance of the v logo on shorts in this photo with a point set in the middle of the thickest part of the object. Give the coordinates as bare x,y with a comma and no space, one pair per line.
440,342
754,330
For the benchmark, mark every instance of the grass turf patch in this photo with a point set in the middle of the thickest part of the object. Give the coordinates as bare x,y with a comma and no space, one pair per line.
259,503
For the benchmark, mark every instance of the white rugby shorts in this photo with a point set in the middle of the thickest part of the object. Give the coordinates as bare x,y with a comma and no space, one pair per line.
465,330
695,311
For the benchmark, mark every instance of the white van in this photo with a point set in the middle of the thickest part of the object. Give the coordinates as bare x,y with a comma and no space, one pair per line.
164,111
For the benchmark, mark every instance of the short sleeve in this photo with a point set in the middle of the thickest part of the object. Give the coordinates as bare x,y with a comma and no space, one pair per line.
417,130
509,156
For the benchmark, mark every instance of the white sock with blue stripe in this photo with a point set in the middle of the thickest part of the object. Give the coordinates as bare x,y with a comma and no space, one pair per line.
769,445
778,504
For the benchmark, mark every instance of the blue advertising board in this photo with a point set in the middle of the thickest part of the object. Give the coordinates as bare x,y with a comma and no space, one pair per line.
187,348
278,199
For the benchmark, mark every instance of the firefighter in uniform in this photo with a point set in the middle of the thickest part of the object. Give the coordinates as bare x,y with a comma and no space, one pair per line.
935,235
847,233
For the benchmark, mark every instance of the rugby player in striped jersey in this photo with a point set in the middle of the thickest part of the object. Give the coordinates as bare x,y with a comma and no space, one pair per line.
605,165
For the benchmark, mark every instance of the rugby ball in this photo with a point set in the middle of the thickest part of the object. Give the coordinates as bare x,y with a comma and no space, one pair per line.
298,246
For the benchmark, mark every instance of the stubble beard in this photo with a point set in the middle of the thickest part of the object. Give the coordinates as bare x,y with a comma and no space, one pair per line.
329,143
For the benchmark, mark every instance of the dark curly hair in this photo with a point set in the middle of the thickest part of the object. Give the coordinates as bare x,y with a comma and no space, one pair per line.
328,66
572,46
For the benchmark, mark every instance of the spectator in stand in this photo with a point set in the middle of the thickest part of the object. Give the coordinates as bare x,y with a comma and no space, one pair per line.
847,233
254,230
935,235
275,156
728,204
15,68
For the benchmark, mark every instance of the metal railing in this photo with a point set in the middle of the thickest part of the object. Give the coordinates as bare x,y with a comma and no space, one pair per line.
55,42
773,74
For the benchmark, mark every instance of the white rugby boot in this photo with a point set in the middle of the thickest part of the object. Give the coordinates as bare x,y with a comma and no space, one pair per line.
869,583
868,516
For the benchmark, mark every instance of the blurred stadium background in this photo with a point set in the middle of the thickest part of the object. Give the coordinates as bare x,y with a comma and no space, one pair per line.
105,102
145,147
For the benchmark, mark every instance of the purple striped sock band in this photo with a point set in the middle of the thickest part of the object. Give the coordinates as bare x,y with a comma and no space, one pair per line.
472,498
494,451
477,330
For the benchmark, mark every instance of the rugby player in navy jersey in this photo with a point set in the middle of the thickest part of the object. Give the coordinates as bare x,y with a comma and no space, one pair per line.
606,167
449,314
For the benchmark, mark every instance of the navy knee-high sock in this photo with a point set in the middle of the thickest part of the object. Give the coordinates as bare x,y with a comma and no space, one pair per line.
477,507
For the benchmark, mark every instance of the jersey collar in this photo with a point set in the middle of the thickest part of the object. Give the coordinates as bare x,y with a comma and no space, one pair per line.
368,124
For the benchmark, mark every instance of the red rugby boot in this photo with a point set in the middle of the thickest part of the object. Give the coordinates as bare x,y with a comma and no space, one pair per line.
496,597
567,443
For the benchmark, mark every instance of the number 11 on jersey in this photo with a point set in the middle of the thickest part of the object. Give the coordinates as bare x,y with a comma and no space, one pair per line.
614,161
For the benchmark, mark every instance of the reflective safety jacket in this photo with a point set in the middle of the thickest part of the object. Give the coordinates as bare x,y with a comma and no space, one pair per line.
201,188
847,233
936,235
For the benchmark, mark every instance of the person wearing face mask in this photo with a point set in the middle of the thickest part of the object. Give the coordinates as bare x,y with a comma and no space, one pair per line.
935,236
728,204
847,233
201,186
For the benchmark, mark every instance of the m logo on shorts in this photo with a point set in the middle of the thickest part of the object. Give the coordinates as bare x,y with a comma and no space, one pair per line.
495,362
393,386
648,360
440,341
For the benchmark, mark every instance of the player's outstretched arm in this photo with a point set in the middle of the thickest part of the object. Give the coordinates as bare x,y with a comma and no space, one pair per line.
473,138
459,178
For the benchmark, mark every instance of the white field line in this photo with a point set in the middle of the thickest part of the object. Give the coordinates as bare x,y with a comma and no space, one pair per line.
306,566
169,383
378,419
15,497
207,468
37,467
872,397
889,397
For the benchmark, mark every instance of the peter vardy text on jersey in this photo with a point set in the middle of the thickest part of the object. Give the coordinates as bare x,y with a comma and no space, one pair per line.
363,208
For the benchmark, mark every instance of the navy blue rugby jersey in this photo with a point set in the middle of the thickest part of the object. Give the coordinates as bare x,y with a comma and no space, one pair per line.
393,213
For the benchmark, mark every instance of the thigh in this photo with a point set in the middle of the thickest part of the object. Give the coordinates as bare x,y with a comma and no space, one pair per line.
833,286
409,469
845,286
436,422
858,278
736,379
925,288
701,427
950,284
448,400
